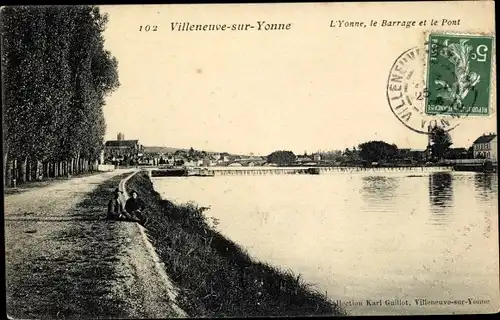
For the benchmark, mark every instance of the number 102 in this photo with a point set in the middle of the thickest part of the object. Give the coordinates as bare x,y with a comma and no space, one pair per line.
148,28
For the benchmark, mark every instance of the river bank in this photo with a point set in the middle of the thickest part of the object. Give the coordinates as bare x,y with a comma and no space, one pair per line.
216,277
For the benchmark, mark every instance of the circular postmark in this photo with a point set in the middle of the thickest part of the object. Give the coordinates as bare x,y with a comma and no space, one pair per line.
407,94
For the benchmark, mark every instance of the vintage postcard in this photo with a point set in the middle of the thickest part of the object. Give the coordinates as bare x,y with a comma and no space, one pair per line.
239,160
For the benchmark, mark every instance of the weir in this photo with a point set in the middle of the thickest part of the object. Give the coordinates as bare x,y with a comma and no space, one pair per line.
224,171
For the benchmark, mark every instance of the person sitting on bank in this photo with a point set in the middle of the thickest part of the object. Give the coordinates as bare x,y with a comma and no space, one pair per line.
116,209
134,207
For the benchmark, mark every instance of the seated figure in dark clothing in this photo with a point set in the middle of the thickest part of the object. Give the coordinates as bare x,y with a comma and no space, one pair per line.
116,210
134,207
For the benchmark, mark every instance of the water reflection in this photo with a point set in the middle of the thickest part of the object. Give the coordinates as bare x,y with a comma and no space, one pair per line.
483,183
440,196
378,188
361,231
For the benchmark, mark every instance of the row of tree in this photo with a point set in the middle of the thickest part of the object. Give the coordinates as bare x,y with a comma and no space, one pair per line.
380,151
56,77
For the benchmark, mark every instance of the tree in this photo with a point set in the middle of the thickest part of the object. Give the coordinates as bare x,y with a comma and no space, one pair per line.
57,75
281,157
376,151
440,142
470,152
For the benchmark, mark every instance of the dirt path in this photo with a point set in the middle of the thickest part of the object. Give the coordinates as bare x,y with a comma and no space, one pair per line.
63,260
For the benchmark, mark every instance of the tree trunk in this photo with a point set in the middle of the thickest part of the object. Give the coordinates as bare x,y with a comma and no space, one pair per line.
49,169
34,170
37,171
22,168
31,175
57,167
32,166
29,169
6,173
78,169
15,173
10,172
45,170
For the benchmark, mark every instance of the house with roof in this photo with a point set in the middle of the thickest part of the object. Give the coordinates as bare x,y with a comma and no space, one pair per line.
121,148
485,147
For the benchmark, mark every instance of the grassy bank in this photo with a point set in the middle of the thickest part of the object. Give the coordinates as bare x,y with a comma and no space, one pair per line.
215,275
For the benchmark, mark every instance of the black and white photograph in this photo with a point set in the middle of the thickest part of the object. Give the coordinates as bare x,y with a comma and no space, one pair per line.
250,160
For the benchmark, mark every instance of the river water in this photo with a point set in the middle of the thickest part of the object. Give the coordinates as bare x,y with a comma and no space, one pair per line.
376,241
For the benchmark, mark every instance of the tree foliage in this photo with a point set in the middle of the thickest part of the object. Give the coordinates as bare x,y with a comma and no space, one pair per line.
281,157
56,77
376,151
440,142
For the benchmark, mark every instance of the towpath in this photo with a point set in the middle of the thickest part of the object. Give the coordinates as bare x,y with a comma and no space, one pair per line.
64,260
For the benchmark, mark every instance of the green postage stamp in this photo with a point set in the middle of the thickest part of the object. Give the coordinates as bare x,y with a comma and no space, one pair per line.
459,75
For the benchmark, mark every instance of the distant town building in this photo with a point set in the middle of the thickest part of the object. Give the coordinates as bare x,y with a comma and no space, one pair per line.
303,160
485,147
121,148
317,157
206,162
190,163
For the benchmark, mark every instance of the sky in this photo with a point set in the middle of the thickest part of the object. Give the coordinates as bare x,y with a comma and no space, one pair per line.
310,88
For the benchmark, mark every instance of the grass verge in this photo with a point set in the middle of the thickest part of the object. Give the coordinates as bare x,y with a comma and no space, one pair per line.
216,277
